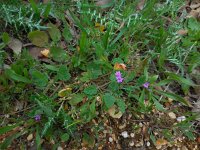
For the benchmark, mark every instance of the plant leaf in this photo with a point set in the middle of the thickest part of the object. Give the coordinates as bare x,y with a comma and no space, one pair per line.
13,75
175,97
90,90
38,38
15,45
180,79
38,78
76,99
109,100
54,32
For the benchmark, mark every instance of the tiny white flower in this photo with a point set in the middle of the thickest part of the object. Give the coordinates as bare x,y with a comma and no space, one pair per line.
124,134
181,118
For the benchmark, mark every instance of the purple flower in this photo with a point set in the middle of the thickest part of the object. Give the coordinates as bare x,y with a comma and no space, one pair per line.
146,85
119,77
37,117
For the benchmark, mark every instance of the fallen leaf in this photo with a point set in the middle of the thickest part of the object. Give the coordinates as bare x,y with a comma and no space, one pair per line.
141,4
194,14
182,32
113,112
35,52
45,52
19,105
88,140
103,2
15,45
119,66
38,38
64,92
161,142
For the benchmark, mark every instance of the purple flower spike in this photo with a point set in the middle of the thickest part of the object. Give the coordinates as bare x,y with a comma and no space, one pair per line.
146,85
37,117
119,77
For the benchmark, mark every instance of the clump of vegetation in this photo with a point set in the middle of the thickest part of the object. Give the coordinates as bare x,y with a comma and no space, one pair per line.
101,74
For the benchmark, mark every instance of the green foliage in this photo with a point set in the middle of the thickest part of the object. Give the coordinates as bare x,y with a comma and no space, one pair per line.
38,38
83,51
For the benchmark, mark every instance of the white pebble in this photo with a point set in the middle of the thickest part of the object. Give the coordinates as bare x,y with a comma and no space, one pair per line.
140,124
131,143
172,115
30,137
110,139
132,135
148,143
124,134
59,148
181,118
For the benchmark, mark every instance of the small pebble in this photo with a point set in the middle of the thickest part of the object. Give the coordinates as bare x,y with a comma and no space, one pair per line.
124,134
132,135
172,115
110,139
181,118
30,137
131,143
59,148
148,144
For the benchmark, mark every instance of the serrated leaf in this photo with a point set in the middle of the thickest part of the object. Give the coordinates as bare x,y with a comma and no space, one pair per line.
121,104
63,73
38,38
54,32
109,100
88,140
58,54
38,78
90,90
65,137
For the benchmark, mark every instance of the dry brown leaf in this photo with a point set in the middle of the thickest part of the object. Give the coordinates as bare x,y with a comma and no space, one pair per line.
45,52
35,52
119,66
161,142
193,13
141,4
19,105
182,32
113,112
103,2
15,45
